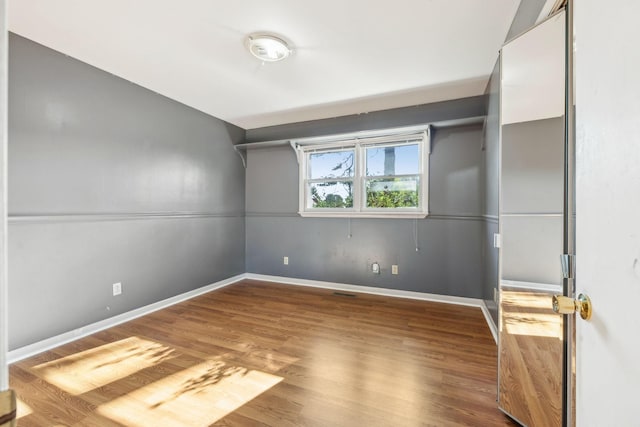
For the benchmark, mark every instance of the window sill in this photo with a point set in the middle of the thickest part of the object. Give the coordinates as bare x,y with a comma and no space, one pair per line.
378,215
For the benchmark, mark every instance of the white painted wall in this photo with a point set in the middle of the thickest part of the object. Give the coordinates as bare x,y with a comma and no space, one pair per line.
608,210
528,85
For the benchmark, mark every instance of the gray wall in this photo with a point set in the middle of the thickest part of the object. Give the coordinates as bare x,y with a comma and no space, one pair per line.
524,19
109,182
532,187
449,260
526,15
455,109
491,160
112,183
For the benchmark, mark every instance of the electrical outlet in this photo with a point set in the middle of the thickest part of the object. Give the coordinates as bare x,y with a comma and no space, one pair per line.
497,240
375,268
117,288
394,269
495,295
285,260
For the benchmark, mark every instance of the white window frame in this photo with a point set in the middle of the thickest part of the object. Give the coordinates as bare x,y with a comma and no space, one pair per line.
360,145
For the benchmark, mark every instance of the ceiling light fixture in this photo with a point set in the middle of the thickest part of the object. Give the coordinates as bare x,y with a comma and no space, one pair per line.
268,48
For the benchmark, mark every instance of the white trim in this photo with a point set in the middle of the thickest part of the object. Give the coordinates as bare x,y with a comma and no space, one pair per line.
359,148
67,337
358,135
492,325
447,299
336,146
4,125
355,214
64,338
531,286
475,120
534,214
395,293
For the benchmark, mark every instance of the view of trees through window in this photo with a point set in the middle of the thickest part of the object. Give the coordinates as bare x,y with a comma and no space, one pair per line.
391,177
332,173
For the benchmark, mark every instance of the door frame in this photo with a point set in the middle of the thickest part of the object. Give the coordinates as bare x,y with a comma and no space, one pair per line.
569,224
4,291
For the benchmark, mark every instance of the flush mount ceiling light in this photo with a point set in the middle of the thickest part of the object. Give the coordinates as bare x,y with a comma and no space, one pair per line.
267,47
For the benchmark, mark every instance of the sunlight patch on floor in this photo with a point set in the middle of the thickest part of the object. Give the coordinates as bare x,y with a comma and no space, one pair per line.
22,409
529,313
534,324
90,369
530,300
197,396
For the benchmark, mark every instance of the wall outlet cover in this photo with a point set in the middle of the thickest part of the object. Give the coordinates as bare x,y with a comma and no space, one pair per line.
375,268
117,288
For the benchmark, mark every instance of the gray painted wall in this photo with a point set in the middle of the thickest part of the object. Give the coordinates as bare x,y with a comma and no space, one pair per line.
532,186
109,182
492,144
491,160
526,15
533,167
449,260
474,106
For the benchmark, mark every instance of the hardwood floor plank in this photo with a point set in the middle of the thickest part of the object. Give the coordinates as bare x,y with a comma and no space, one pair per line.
265,354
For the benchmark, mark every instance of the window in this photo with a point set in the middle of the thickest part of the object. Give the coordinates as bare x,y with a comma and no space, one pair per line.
330,178
373,176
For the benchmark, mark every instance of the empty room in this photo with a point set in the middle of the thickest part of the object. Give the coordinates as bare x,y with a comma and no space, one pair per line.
356,213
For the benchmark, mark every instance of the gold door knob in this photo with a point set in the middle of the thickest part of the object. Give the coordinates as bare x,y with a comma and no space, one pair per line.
565,305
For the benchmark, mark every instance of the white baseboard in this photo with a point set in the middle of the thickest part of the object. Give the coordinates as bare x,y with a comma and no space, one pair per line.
58,340
540,287
472,302
492,325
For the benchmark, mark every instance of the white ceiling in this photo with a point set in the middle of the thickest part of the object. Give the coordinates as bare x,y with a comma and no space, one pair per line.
351,56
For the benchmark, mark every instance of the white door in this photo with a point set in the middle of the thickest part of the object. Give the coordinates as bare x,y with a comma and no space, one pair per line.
607,67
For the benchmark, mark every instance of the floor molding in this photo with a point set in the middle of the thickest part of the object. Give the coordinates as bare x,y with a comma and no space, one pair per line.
64,338
531,286
447,299
492,325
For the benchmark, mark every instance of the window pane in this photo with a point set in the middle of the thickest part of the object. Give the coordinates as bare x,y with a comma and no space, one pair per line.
331,195
392,193
398,160
331,164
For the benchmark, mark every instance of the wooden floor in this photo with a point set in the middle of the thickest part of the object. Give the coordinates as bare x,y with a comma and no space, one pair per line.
257,353
530,387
